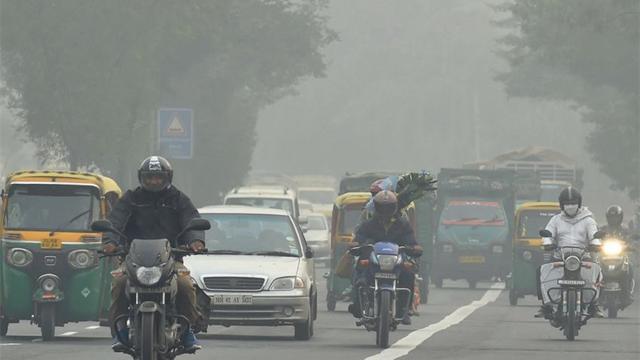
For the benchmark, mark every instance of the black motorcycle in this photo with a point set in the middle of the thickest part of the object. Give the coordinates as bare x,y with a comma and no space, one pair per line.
571,306
618,277
155,326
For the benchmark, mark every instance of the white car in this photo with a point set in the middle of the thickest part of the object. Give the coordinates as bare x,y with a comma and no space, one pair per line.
317,235
273,197
322,198
259,270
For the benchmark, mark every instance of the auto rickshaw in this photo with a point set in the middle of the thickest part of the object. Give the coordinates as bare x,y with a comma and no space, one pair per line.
50,271
346,215
425,213
527,255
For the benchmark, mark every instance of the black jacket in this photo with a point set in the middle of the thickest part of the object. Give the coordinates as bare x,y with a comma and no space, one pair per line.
373,230
141,214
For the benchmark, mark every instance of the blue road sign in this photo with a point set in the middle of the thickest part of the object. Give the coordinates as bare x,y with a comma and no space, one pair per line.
175,133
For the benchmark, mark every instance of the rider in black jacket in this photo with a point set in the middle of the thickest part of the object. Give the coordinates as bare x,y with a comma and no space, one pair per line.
155,210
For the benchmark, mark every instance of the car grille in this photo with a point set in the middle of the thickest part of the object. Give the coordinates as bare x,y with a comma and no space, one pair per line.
233,283
246,312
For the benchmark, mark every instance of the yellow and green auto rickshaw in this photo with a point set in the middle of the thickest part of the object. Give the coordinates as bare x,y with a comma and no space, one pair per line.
50,272
527,254
347,211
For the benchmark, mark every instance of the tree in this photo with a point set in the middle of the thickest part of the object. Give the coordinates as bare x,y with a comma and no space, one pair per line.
584,52
90,75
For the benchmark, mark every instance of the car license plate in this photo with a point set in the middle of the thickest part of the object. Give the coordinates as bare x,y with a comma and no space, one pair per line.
385,276
51,244
471,259
232,299
571,282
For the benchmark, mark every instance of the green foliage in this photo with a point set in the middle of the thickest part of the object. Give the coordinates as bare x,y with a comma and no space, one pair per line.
90,75
585,52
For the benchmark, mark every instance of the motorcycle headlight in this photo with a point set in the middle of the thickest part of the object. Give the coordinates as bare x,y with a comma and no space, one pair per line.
387,262
148,275
81,259
497,249
612,248
19,257
447,248
287,283
572,263
527,255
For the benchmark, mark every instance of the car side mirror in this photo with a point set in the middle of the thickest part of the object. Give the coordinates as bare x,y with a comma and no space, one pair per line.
309,253
545,233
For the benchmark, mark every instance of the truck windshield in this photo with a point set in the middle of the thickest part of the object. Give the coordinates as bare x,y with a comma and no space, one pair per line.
473,213
52,207
531,222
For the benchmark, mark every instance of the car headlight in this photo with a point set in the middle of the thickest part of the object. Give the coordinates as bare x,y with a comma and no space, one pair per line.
612,247
527,255
287,283
387,262
81,259
572,263
497,249
48,282
447,248
19,257
148,275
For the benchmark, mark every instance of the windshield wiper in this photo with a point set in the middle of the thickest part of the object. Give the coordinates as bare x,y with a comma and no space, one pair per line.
69,222
273,253
225,252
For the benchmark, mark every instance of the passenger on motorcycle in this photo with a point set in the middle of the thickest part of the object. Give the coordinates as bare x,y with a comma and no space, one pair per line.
155,210
615,229
387,224
574,226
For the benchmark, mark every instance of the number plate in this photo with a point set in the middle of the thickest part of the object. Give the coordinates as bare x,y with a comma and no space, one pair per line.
385,276
471,259
232,299
51,244
571,282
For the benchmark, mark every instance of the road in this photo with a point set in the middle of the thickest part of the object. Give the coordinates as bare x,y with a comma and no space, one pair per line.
458,323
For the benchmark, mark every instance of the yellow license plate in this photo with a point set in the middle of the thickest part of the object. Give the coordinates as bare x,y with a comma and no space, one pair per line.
51,244
471,259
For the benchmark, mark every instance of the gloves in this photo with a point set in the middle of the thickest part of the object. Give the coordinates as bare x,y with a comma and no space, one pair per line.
109,248
197,246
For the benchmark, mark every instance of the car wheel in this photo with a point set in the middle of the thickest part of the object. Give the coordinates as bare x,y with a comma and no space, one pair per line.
304,330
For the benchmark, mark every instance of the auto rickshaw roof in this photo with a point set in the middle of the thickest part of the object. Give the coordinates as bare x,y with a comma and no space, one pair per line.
539,206
352,198
105,183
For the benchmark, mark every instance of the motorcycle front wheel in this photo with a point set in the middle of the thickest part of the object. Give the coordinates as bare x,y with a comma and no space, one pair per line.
612,307
147,337
384,320
570,328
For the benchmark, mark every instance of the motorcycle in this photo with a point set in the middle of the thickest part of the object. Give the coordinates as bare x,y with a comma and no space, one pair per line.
155,326
617,274
381,265
572,298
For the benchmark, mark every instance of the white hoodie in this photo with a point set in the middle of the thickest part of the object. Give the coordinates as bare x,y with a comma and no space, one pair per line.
572,231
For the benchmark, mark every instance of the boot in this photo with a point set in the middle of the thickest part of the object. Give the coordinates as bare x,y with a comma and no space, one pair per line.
121,340
595,312
189,341
544,311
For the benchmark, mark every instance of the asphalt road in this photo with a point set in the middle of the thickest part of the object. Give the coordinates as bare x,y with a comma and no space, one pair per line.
458,323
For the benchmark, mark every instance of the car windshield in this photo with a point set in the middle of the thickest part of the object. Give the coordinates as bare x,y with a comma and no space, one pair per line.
52,207
251,233
317,223
350,218
473,212
532,221
271,203
319,196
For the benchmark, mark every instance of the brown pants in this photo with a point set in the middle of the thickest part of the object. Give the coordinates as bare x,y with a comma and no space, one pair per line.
185,298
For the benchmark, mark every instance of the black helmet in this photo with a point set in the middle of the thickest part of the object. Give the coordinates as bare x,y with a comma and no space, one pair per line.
615,215
386,204
152,169
570,195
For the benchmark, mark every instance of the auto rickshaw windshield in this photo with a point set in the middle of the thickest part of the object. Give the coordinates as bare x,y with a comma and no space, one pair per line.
350,219
532,221
52,207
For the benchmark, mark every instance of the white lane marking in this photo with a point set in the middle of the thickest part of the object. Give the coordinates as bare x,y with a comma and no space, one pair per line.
10,344
37,340
93,327
69,333
403,346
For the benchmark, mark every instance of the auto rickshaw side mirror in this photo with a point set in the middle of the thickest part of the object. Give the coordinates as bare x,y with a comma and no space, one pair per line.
545,233
103,226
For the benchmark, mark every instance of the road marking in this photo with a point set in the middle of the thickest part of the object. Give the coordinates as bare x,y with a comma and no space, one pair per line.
403,346
37,340
10,344
93,327
69,333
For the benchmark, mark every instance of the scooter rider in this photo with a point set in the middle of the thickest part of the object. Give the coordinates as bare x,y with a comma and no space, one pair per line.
387,224
615,229
574,226
156,209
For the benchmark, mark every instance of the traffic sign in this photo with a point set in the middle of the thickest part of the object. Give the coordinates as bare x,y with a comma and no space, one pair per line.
175,133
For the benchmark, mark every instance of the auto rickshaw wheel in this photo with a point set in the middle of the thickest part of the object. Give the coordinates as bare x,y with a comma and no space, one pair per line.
472,284
47,321
4,327
513,297
331,302
438,282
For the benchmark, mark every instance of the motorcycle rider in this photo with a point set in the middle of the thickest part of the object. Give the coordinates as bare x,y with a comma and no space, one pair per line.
574,226
387,224
156,209
615,229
